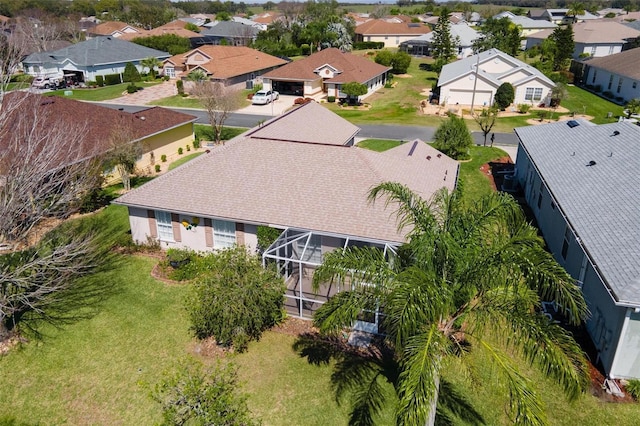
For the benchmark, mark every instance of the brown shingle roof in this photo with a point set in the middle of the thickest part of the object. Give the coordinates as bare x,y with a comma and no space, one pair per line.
230,61
310,186
382,27
624,63
352,67
98,121
596,31
109,27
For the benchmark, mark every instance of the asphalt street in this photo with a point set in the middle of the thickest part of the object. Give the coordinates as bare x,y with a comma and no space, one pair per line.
386,131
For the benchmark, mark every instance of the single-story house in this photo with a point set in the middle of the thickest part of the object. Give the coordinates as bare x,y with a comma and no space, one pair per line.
560,17
593,38
390,33
462,33
88,59
618,73
176,27
325,72
231,65
298,173
159,131
113,28
581,181
475,79
526,24
229,32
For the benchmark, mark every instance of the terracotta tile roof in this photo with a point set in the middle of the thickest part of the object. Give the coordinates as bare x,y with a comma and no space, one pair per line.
352,67
382,27
308,125
596,31
230,61
109,27
309,186
98,121
623,63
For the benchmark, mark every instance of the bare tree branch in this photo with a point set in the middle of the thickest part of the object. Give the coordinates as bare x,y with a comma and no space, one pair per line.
219,100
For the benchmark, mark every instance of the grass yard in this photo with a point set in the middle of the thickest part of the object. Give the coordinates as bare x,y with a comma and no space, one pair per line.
204,132
185,159
98,94
178,101
584,102
378,145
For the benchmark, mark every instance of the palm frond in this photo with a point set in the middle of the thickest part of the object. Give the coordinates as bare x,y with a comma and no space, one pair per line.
412,211
342,310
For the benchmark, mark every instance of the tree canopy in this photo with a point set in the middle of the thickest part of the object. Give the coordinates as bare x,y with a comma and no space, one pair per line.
562,39
444,47
453,138
501,34
505,94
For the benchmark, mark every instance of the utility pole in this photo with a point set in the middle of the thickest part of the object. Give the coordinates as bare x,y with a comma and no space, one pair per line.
475,83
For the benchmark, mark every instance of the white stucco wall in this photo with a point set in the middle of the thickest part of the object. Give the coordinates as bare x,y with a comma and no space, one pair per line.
596,50
596,76
390,40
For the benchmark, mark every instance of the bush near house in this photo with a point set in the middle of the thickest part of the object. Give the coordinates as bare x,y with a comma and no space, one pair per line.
504,96
112,79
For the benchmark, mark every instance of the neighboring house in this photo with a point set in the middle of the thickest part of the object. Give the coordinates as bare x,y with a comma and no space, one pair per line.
618,74
231,65
159,131
113,28
475,79
88,59
298,173
258,25
389,33
559,16
229,32
581,182
176,28
463,33
471,18
594,38
325,72
527,25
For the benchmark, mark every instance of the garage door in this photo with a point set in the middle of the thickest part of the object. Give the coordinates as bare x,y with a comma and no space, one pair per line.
288,87
463,97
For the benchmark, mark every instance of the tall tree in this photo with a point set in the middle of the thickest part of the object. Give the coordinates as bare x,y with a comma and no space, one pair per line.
471,277
152,63
444,47
575,9
499,34
123,153
218,100
562,38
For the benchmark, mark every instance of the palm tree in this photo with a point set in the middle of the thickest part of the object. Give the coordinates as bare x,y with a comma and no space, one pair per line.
151,62
632,107
472,276
575,9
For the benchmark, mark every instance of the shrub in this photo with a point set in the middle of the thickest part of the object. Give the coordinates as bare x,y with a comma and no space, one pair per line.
608,94
112,79
524,108
589,86
453,138
100,80
165,78
196,143
598,88
266,236
331,99
180,87
236,300
504,96
180,151
163,158
400,62
132,88
633,388
188,147
384,57
363,45
157,168
131,73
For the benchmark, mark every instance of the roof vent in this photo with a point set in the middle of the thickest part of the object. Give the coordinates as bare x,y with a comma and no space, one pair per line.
572,123
591,163
615,133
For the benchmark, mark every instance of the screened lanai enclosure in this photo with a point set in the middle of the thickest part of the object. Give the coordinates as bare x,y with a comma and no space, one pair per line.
297,253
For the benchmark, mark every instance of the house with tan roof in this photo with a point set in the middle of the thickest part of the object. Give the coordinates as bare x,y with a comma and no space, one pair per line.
475,80
114,29
594,38
618,73
298,173
159,131
176,27
389,33
324,73
231,65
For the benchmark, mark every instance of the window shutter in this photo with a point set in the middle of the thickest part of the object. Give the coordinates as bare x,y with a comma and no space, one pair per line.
240,234
153,227
175,225
208,233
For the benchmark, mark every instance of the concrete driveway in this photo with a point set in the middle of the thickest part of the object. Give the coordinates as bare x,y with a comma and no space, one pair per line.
275,108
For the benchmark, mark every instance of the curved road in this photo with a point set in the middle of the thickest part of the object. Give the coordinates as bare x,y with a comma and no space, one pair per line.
378,131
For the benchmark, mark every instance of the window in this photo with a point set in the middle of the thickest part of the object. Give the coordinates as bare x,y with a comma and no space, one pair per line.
565,242
610,82
537,94
224,234
170,72
595,73
540,200
163,223
593,51
620,80
528,96
533,94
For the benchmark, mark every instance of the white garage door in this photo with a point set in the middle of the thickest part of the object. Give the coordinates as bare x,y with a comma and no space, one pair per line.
463,97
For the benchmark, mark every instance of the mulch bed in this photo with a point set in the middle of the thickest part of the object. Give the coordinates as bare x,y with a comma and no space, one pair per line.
491,169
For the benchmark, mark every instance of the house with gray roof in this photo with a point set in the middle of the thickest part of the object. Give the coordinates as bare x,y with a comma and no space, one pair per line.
88,59
581,181
462,33
475,80
234,33
528,25
618,73
299,173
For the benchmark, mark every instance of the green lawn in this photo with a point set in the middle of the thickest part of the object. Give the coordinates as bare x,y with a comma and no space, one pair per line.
99,94
204,132
378,145
186,158
583,102
178,101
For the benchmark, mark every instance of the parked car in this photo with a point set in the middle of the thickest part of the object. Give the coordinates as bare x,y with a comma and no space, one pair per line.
45,83
263,97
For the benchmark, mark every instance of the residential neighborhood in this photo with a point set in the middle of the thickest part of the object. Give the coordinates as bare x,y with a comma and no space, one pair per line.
319,212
